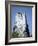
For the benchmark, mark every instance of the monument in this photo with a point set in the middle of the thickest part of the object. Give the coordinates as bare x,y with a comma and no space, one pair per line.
21,25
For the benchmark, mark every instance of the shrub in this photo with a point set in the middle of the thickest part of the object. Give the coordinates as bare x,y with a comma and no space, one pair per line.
15,34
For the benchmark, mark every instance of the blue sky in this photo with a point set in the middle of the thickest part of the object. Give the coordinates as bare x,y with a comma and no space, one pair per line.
16,9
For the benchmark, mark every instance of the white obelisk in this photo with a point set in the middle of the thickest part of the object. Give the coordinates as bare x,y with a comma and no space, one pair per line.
20,23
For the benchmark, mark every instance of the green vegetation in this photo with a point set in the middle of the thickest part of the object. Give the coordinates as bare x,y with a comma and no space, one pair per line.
15,34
